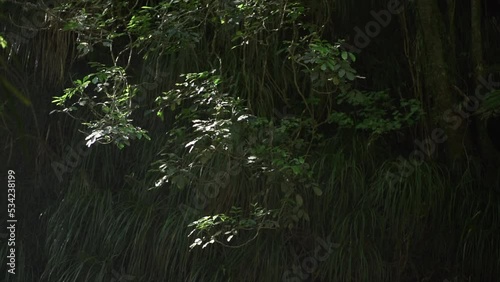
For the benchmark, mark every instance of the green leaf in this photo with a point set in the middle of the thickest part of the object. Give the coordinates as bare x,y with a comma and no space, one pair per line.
3,42
160,114
350,76
180,181
344,55
70,25
336,80
299,200
317,191
331,65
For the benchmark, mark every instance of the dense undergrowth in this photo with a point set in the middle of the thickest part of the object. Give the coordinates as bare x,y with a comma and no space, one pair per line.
236,141
424,227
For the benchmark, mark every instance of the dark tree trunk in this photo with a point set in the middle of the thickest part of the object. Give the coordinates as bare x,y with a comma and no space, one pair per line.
489,154
438,78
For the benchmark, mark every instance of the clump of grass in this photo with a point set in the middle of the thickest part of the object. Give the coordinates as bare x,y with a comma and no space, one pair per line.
378,229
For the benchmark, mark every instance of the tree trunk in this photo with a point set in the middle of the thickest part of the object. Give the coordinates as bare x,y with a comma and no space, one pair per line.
489,153
438,79
476,38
